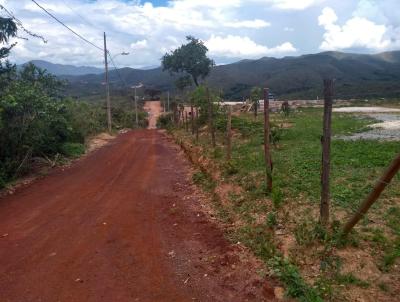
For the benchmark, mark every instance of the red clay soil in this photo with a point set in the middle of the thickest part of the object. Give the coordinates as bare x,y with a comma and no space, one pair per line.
120,225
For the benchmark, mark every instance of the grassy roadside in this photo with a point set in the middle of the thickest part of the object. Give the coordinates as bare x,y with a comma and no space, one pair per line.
282,229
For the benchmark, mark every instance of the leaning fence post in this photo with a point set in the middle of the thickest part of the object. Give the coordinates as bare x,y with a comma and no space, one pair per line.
229,134
267,155
210,118
381,184
326,150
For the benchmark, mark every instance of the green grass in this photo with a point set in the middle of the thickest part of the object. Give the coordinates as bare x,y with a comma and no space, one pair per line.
355,166
72,149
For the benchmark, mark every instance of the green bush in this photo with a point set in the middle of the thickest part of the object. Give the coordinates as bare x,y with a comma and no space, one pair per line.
165,121
36,121
72,149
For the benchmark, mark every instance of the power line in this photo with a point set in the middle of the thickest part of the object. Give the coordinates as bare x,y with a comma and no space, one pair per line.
71,30
19,23
116,69
79,15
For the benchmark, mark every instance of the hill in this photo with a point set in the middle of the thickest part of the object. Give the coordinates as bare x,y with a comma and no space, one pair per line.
60,69
357,75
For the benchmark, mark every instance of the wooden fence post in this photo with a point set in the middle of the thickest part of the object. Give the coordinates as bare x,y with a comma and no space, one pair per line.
211,118
326,150
182,118
229,135
197,124
267,155
186,122
192,116
381,184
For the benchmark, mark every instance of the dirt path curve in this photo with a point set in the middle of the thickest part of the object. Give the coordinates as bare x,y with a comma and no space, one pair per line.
154,110
123,224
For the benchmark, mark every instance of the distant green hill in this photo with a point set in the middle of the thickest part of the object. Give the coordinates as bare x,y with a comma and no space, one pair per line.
60,69
357,76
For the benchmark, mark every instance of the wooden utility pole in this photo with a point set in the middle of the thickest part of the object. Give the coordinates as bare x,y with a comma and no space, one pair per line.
136,110
229,135
267,155
109,123
326,151
381,184
211,119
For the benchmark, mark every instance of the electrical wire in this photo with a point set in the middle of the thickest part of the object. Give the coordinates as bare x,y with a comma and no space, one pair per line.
117,71
67,27
79,15
19,23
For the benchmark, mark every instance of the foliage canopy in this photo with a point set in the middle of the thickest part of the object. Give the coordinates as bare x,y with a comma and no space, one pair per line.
190,58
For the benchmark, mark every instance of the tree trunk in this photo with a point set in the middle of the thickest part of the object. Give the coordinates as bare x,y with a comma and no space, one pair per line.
195,81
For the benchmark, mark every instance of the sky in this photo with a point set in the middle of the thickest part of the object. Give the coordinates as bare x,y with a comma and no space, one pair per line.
231,29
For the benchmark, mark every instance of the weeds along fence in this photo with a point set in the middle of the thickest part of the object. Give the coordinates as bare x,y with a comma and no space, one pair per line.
204,114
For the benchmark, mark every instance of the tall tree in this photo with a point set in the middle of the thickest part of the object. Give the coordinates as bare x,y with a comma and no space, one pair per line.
190,58
8,29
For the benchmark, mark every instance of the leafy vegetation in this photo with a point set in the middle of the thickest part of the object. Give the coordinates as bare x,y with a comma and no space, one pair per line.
296,154
36,120
190,59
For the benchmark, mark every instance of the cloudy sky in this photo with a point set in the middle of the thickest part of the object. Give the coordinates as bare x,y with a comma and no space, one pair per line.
231,29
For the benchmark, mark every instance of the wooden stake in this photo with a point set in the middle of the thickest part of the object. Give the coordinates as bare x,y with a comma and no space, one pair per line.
326,150
192,116
186,121
229,135
197,124
382,183
267,155
211,119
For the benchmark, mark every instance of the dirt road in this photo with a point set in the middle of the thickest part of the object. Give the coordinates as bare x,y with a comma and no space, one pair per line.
154,110
123,224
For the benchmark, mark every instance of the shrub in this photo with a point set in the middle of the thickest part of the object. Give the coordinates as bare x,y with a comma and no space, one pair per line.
165,121
72,149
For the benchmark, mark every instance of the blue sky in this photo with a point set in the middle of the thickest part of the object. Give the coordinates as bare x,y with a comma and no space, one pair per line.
231,29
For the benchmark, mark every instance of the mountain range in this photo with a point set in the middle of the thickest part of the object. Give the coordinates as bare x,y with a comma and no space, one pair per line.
69,70
357,76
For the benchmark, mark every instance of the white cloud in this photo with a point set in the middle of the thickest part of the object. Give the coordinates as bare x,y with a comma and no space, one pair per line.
142,44
294,4
357,32
244,47
257,23
148,31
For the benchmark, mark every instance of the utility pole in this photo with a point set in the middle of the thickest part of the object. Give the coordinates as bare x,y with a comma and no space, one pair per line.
107,86
136,105
136,111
